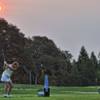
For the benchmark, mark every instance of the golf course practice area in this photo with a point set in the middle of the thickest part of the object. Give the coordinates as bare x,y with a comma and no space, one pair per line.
30,92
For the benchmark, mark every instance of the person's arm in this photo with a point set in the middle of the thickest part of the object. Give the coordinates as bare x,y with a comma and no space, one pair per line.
5,65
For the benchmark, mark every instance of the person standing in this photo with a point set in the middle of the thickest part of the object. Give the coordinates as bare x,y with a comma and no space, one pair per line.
6,76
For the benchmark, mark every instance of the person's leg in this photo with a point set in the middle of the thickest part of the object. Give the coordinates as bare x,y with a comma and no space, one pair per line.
5,87
9,88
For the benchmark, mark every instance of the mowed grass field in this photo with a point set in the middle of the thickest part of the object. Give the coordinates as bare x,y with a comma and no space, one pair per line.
29,92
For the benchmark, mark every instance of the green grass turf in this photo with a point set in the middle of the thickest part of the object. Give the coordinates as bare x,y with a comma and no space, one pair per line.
27,92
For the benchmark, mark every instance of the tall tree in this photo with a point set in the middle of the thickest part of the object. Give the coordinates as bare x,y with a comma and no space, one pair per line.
12,43
93,69
11,40
83,66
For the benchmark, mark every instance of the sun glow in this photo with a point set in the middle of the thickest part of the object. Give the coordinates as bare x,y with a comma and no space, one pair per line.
0,8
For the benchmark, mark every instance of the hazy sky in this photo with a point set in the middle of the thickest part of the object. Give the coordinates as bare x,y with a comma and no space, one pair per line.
69,23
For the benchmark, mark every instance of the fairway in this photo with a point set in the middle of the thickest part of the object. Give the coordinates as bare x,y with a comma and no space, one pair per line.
29,92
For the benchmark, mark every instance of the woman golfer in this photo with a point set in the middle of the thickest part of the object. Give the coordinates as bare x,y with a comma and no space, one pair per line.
6,77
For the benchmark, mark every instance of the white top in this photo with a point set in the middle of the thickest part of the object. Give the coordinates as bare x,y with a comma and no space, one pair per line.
9,70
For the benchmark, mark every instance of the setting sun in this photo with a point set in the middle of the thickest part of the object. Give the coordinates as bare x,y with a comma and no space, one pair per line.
0,8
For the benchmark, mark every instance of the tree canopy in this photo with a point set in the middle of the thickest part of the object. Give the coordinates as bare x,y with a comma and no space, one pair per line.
39,54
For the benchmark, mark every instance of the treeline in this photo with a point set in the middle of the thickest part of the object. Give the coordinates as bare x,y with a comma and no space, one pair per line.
38,55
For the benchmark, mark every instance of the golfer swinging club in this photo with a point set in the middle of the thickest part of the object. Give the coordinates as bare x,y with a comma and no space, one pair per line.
6,76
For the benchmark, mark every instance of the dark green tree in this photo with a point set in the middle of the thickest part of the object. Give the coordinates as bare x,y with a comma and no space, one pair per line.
45,52
68,58
74,76
12,43
83,66
11,40
93,69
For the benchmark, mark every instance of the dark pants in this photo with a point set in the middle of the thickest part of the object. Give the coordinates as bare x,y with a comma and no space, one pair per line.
47,92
